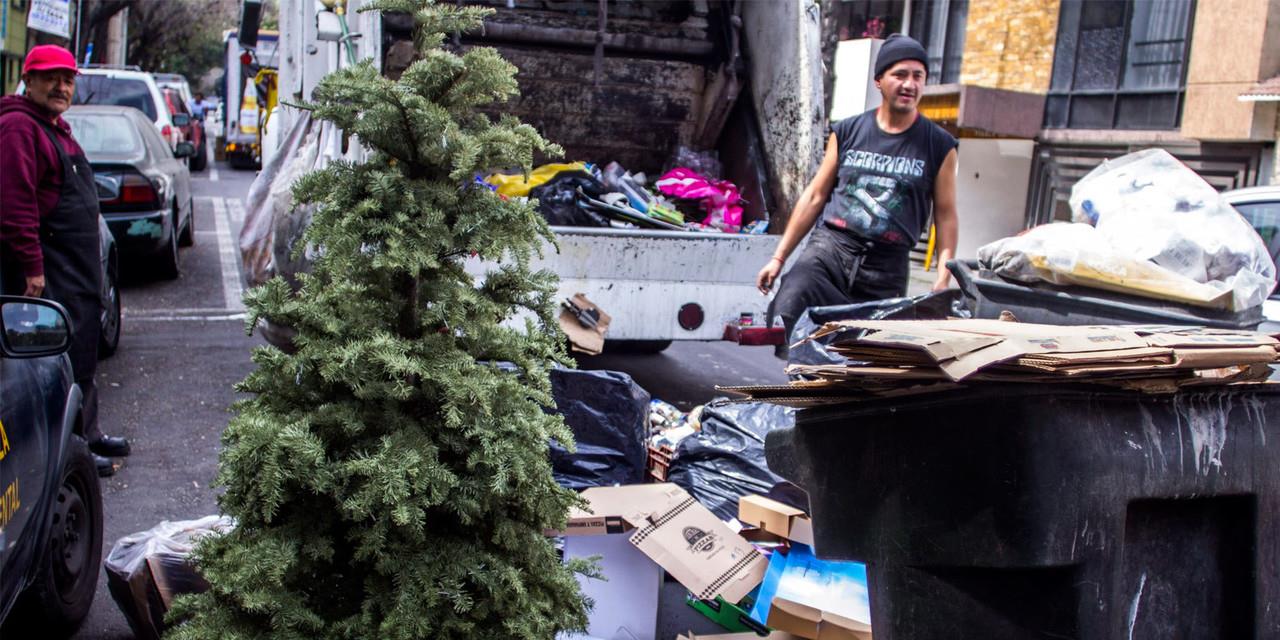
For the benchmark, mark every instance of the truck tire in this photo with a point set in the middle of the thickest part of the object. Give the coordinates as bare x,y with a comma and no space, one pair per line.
636,347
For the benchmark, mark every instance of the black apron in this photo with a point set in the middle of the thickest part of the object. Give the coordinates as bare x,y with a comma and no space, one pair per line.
72,252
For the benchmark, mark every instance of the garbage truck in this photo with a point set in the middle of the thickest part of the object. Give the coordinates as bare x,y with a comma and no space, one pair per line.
648,85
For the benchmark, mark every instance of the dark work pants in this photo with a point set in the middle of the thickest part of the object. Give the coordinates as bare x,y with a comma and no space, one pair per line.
836,268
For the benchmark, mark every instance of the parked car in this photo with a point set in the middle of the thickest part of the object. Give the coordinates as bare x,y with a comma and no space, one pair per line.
144,190
50,499
130,88
177,82
110,336
1261,207
192,129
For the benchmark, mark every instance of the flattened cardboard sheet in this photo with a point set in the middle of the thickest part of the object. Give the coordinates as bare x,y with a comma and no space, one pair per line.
699,550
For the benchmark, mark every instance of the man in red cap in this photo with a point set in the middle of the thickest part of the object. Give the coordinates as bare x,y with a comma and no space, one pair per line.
49,244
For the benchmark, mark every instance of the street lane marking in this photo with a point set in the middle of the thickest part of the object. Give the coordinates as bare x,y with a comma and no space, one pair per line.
239,317
231,292
235,208
213,174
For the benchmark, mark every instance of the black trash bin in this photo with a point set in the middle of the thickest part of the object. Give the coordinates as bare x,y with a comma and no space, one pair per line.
986,295
1047,511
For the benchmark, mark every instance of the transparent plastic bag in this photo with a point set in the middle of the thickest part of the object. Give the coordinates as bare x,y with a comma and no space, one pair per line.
146,570
1149,206
1078,254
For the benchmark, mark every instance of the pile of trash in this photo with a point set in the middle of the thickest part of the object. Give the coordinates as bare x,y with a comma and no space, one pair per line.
891,358
753,572
1145,225
581,194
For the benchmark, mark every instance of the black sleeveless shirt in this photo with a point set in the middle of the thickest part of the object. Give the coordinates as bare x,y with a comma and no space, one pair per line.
884,187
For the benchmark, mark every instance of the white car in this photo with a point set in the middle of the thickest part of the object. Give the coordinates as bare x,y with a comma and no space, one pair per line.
131,88
1261,207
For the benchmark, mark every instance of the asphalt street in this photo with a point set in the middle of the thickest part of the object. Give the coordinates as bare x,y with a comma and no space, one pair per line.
170,386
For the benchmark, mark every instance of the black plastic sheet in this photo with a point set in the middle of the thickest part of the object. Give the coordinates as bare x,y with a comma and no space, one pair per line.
609,416
725,460
561,204
928,306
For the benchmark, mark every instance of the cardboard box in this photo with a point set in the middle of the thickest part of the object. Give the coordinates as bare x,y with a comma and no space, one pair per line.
588,340
697,549
676,533
777,518
814,598
812,622
626,601
776,635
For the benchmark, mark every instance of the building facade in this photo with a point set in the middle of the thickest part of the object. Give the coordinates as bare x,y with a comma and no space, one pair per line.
1066,84
13,33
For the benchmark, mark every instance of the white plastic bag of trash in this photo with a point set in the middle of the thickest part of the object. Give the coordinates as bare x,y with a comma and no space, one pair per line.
1149,206
1078,254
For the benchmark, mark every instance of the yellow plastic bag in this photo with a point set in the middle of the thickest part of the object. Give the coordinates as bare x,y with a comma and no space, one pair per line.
517,186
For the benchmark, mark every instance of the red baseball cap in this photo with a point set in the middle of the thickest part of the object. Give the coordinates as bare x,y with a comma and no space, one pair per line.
48,57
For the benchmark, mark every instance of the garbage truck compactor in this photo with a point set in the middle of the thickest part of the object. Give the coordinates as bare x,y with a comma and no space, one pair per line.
650,86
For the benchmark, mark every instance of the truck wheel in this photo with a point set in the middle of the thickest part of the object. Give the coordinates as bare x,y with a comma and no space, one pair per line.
62,592
636,347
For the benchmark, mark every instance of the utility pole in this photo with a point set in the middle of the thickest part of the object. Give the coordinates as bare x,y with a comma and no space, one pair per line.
117,38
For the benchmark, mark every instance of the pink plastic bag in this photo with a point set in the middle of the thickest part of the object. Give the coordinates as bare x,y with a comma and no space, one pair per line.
719,197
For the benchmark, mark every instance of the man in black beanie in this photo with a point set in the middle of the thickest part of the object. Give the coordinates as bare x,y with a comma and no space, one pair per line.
883,172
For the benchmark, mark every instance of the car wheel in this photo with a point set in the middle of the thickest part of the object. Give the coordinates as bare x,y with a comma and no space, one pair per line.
201,159
169,255
636,347
110,338
63,589
188,237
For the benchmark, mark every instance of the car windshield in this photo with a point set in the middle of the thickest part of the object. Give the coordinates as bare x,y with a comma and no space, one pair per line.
104,134
100,89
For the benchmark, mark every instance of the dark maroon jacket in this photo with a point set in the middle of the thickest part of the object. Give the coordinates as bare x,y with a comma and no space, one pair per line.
30,179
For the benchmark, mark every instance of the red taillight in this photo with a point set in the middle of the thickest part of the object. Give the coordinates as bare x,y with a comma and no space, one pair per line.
690,316
166,131
135,189
246,58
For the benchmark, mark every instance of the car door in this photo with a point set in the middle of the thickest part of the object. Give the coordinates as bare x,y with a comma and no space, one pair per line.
34,401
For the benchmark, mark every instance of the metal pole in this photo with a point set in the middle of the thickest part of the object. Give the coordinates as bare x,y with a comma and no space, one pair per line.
79,14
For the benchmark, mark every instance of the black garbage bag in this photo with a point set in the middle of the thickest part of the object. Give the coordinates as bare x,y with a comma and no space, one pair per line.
560,203
609,416
725,460
928,306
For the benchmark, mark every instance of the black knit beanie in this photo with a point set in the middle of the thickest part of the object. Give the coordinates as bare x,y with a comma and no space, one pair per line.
898,48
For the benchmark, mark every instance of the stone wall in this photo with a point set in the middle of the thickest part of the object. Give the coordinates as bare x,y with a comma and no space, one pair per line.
1009,44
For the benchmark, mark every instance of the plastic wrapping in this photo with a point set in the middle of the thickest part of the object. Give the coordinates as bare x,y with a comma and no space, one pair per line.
720,198
519,185
609,416
1149,206
561,204
1073,253
928,306
272,225
146,570
725,460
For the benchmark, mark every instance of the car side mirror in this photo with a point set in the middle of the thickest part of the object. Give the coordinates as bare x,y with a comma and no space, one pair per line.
184,150
181,120
32,327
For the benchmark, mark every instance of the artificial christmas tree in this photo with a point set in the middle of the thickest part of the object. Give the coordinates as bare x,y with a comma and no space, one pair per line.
388,480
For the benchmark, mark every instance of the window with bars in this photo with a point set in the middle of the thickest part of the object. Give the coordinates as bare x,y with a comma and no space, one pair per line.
937,24
1120,64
